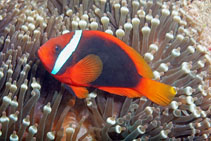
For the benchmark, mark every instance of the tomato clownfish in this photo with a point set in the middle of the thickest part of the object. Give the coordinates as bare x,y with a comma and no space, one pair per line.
84,59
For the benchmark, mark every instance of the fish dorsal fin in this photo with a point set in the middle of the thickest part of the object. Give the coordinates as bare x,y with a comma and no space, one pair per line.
142,67
87,69
80,92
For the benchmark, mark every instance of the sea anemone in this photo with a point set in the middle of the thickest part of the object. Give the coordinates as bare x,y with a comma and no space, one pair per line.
161,31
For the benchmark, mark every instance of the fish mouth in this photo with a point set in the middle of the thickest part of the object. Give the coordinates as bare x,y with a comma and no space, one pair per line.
44,59
40,54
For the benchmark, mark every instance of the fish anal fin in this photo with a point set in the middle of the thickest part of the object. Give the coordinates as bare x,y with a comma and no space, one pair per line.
157,92
129,92
80,92
87,69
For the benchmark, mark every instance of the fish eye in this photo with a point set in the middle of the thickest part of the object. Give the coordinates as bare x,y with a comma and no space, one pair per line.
57,48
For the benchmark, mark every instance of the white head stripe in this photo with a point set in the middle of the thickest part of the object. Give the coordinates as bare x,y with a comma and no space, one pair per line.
65,54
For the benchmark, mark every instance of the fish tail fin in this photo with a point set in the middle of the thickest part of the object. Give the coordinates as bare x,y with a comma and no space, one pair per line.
157,92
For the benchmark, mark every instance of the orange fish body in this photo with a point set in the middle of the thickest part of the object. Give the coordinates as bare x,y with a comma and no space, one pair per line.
84,59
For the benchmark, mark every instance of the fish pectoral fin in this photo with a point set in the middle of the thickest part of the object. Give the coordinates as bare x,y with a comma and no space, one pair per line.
129,92
80,92
87,69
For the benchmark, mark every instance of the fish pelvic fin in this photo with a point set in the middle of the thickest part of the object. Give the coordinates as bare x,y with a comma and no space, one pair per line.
157,92
80,92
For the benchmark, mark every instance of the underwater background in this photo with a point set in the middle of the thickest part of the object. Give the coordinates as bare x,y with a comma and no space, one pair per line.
172,36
